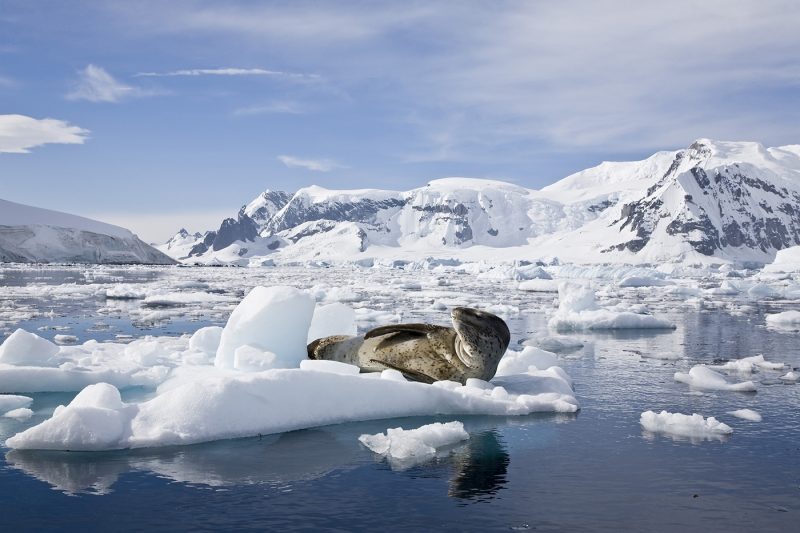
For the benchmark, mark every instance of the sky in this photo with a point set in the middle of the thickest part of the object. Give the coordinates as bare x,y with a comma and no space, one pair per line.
160,115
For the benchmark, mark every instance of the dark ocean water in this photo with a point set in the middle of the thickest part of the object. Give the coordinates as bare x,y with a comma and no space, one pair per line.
593,471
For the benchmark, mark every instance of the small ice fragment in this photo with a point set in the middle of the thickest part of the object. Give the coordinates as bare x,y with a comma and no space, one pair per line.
422,442
683,425
23,413
746,414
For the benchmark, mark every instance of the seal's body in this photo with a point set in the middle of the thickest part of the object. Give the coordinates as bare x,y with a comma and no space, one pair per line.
472,348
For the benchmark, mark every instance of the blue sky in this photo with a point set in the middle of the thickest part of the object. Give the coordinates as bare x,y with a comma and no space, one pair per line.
155,114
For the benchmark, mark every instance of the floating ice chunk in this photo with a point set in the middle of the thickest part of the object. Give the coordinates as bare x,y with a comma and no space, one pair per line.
642,281
65,339
22,413
206,340
96,419
274,319
226,404
13,401
748,365
746,414
420,443
693,426
786,318
702,377
334,367
790,376
332,319
578,310
125,291
25,349
538,285
764,290
520,362
170,299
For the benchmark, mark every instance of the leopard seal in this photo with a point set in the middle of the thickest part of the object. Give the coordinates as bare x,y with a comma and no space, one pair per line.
472,348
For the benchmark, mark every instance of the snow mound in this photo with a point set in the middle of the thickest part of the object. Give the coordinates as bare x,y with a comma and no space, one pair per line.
220,404
23,348
747,414
693,426
786,318
578,310
206,340
420,443
271,319
702,377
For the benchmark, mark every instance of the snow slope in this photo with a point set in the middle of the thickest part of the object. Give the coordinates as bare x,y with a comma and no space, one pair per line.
32,234
712,202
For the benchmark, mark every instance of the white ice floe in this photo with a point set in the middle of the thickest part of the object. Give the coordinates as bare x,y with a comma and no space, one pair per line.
746,414
748,365
271,319
538,285
217,404
145,362
415,444
65,339
642,281
23,348
206,340
791,376
22,413
786,318
9,402
692,426
578,310
529,358
126,291
702,377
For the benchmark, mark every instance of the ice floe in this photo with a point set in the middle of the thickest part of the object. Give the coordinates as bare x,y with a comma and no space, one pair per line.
785,318
703,377
691,426
415,444
578,310
747,414
748,365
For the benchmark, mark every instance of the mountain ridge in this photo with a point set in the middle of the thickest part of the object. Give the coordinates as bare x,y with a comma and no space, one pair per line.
712,201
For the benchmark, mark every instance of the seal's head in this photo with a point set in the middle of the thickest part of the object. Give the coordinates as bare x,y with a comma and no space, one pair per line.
482,338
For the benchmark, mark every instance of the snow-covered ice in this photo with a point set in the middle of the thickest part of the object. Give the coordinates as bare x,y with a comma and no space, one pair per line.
692,426
578,310
747,414
748,365
22,348
703,377
415,444
271,319
785,318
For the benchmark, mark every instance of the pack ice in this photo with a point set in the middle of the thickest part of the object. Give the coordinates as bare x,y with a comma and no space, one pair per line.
200,401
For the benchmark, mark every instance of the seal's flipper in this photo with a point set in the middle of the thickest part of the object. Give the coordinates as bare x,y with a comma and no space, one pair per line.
390,339
420,329
413,375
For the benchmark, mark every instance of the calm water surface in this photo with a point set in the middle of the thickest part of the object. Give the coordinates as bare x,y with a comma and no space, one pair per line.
593,471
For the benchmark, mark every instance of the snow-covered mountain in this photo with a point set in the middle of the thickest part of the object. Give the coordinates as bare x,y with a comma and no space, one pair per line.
32,234
711,202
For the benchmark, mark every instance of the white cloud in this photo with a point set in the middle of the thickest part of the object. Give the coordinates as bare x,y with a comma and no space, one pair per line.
96,85
229,72
291,108
318,165
19,133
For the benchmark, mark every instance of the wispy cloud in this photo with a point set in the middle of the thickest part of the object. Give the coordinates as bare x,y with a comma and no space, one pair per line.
291,108
20,133
230,72
96,85
317,165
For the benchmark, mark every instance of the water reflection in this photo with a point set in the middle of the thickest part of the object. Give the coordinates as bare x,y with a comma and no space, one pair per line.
480,467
